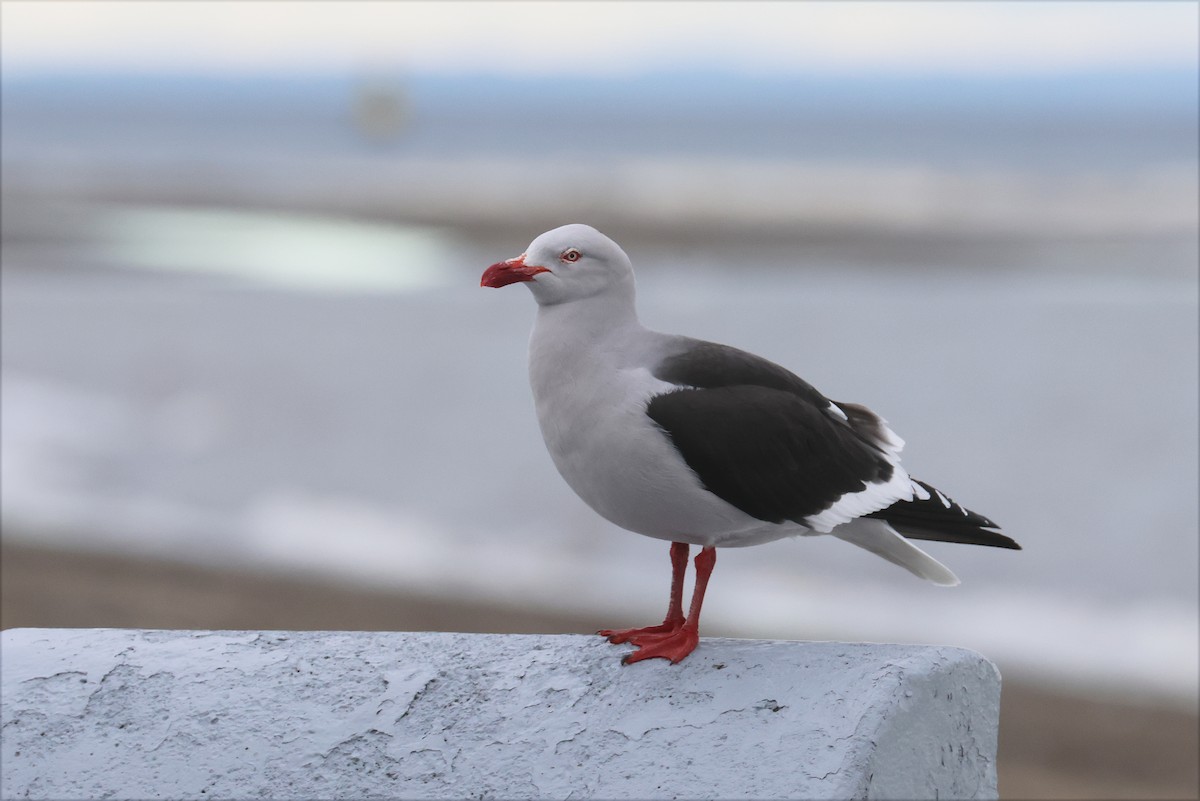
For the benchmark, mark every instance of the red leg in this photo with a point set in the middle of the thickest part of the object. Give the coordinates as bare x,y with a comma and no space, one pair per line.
677,645
674,618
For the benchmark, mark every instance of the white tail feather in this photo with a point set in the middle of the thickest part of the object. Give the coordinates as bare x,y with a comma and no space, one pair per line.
882,540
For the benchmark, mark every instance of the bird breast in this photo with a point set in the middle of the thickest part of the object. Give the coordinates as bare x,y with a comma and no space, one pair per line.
593,420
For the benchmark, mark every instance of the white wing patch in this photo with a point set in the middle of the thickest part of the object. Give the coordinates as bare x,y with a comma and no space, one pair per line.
872,497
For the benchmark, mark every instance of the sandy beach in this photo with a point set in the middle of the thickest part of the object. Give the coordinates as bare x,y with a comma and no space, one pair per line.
1052,745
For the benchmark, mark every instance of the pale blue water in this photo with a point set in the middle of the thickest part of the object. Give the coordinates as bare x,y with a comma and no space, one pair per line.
1053,122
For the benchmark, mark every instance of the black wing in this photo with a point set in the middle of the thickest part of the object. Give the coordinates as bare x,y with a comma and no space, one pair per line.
706,365
758,436
762,439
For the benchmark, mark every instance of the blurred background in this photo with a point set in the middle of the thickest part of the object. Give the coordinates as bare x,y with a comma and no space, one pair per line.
250,380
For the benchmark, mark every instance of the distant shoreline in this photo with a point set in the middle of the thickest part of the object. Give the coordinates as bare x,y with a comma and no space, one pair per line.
1052,745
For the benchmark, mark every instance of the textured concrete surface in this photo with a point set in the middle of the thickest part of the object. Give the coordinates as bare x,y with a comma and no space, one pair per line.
94,713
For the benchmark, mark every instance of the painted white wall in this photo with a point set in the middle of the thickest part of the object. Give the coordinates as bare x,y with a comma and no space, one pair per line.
193,714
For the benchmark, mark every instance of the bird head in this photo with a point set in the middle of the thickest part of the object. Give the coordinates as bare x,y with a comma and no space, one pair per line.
569,263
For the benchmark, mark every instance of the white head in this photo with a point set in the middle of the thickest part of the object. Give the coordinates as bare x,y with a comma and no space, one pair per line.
566,264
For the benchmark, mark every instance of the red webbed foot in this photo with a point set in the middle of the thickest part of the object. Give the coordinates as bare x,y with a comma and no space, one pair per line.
676,636
674,646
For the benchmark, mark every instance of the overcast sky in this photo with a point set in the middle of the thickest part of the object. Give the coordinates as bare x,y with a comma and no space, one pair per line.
576,37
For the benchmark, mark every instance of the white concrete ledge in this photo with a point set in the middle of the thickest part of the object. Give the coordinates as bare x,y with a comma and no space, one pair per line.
97,713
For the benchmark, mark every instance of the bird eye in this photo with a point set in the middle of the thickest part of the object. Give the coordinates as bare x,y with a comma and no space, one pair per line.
571,255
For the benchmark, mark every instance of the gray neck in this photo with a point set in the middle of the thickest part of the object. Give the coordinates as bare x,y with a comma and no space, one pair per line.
583,334
590,319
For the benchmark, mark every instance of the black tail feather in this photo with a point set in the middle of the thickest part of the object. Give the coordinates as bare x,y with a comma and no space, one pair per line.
941,519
